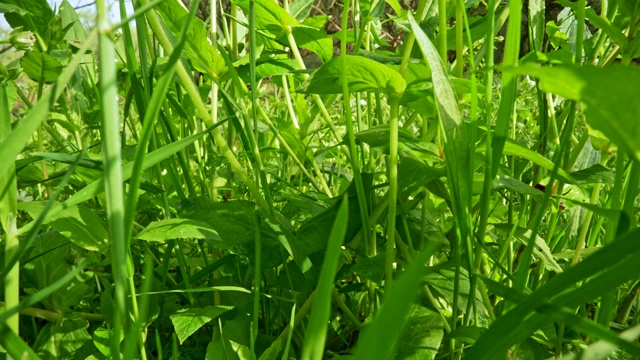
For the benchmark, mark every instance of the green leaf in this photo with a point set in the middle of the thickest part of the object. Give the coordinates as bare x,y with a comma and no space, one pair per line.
271,67
234,221
188,321
312,39
515,185
67,338
14,345
541,249
37,18
467,334
82,226
41,67
313,234
314,338
204,57
269,16
596,174
168,229
442,281
456,141
52,257
378,340
300,9
362,75
608,95
421,336
608,268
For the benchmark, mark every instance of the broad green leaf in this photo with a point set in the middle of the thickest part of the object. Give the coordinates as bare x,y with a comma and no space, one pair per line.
188,321
421,336
379,339
235,223
313,234
67,338
414,173
101,339
271,67
168,229
608,95
312,39
68,16
314,338
442,281
82,226
269,16
362,75
203,55
52,257
37,18
596,174
41,67
467,334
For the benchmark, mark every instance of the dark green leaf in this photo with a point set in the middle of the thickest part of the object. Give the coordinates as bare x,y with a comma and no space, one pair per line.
421,336
41,67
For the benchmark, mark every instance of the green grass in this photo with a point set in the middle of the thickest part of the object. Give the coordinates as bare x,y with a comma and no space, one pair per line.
176,187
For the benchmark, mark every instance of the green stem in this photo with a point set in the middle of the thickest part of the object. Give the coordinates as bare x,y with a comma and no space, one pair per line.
393,191
203,112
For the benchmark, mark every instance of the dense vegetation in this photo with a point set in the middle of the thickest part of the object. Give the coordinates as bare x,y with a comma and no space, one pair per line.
253,187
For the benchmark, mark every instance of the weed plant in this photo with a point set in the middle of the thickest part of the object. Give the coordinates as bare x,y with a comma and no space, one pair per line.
178,188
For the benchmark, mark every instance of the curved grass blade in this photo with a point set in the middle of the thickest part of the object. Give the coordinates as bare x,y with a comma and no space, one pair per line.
314,339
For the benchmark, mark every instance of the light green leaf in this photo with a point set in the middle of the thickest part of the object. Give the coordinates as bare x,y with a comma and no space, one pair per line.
312,39
168,229
82,226
188,321
203,55
269,16
609,96
362,75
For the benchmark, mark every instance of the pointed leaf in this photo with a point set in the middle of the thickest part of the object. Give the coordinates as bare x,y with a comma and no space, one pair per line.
188,321
168,229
